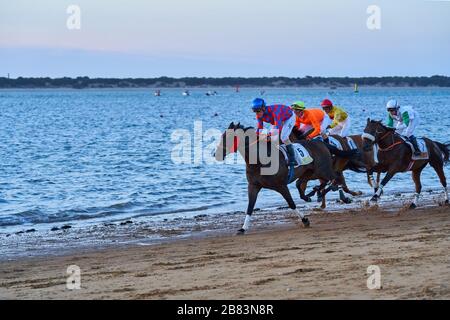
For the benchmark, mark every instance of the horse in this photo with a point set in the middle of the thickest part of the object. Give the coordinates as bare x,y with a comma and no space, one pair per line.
395,156
237,138
359,161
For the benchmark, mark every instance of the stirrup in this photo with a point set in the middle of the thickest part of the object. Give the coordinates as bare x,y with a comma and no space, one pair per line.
290,174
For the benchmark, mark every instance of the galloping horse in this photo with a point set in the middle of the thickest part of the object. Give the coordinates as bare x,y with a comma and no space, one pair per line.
246,142
395,156
360,161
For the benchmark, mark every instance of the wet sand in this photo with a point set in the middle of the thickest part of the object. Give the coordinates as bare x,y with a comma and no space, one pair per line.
328,260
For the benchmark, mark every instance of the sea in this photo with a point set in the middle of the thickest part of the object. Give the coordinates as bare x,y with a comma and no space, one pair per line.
85,157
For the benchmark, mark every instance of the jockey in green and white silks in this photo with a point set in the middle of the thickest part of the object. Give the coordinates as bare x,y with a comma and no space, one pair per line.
405,120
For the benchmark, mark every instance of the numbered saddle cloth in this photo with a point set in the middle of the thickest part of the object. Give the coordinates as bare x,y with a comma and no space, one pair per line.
351,144
424,155
335,142
302,156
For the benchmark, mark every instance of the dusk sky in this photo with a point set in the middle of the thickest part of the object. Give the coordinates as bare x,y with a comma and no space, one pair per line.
178,38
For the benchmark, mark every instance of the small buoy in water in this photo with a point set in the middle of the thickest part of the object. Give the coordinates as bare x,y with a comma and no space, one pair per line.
216,114
161,116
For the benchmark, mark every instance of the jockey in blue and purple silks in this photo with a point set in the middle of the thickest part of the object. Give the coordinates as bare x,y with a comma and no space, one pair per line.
282,119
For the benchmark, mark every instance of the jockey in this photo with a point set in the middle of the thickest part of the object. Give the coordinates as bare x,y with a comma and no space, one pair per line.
406,120
282,120
341,121
311,118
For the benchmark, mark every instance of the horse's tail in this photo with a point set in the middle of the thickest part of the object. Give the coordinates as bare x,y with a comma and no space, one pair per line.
445,149
342,154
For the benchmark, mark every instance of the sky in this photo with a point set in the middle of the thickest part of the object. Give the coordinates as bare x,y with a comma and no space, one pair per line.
219,38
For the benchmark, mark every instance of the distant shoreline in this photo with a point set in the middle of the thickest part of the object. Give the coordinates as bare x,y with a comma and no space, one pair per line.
218,88
333,83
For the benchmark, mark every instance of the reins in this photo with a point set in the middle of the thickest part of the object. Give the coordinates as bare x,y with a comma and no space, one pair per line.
392,146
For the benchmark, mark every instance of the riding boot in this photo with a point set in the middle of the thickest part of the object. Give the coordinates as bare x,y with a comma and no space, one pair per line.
291,155
415,145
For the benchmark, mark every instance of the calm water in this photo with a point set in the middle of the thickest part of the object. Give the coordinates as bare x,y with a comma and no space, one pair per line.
69,155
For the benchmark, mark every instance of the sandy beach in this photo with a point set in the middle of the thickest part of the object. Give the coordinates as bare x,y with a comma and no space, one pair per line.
327,261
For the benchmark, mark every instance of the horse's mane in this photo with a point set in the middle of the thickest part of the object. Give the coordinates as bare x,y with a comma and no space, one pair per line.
380,122
240,126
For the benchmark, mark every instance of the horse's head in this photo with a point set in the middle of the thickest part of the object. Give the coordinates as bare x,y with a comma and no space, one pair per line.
228,142
372,133
235,137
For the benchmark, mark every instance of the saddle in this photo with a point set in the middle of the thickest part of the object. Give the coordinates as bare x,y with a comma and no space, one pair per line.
335,142
424,154
302,156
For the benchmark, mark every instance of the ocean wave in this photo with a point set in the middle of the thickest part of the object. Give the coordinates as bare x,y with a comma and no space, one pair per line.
37,216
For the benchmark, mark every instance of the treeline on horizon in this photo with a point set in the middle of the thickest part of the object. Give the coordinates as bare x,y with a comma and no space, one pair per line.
167,82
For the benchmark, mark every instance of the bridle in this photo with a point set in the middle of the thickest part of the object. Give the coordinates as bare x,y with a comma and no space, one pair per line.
234,147
377,140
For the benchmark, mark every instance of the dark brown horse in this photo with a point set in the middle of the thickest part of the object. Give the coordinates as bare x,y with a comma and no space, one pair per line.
395,156
360,161
266,166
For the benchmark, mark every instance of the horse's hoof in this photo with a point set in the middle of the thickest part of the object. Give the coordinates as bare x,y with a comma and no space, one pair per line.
358,193
444,204
307,199
311,194
240,232
323,206
374,199
412,206
306,222
319,199
376,190
347,200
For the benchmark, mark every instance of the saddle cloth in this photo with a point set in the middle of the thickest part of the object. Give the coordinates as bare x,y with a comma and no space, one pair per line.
424,155
335,142
302,156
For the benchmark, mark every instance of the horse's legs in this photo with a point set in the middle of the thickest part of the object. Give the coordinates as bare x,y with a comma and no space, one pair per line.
386,179
253,191
324,202
301,186
284,191
370,178
440,172
416,178
313,192
324,187
340,181
343,188
377,182
321,191
346,189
